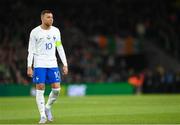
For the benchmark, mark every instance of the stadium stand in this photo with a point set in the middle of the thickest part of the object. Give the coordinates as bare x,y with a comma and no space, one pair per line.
103,39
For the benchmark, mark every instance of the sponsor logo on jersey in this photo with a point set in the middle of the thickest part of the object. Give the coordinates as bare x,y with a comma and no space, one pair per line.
37,78
48,37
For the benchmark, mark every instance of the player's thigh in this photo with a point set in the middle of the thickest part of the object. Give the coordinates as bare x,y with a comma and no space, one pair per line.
39,78
54,77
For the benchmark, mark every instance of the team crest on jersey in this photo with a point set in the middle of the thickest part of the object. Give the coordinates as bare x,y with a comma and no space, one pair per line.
54,38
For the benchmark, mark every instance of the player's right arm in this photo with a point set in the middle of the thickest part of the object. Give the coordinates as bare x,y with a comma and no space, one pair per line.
31,48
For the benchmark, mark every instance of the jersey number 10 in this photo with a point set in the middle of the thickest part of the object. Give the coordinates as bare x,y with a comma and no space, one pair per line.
48,46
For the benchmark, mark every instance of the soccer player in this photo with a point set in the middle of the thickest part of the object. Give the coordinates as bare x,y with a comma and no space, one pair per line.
42,63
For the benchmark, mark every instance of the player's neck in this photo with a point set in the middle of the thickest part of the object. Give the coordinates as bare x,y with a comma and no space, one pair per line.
45,27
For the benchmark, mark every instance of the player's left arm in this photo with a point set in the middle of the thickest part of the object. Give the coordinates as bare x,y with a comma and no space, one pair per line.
61,53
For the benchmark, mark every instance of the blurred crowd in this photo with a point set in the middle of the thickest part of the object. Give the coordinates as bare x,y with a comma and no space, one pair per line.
102,38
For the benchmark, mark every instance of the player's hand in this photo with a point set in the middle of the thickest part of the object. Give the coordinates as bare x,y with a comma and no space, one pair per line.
29,72
65,70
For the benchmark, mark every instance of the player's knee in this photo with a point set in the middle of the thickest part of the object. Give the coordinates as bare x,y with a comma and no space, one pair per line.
40,86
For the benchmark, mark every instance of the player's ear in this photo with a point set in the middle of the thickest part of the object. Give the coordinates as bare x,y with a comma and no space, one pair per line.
42,16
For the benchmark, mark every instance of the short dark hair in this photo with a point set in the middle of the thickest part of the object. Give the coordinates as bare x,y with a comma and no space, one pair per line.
45,11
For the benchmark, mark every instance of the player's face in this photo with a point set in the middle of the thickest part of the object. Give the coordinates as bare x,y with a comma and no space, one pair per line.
47,19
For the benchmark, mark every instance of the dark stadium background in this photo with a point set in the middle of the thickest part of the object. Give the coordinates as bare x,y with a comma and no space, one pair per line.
106,41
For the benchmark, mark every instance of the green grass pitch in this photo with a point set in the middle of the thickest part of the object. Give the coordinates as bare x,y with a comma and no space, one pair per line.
119,109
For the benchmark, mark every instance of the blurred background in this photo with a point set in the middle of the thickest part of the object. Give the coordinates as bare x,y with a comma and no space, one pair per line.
112,47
